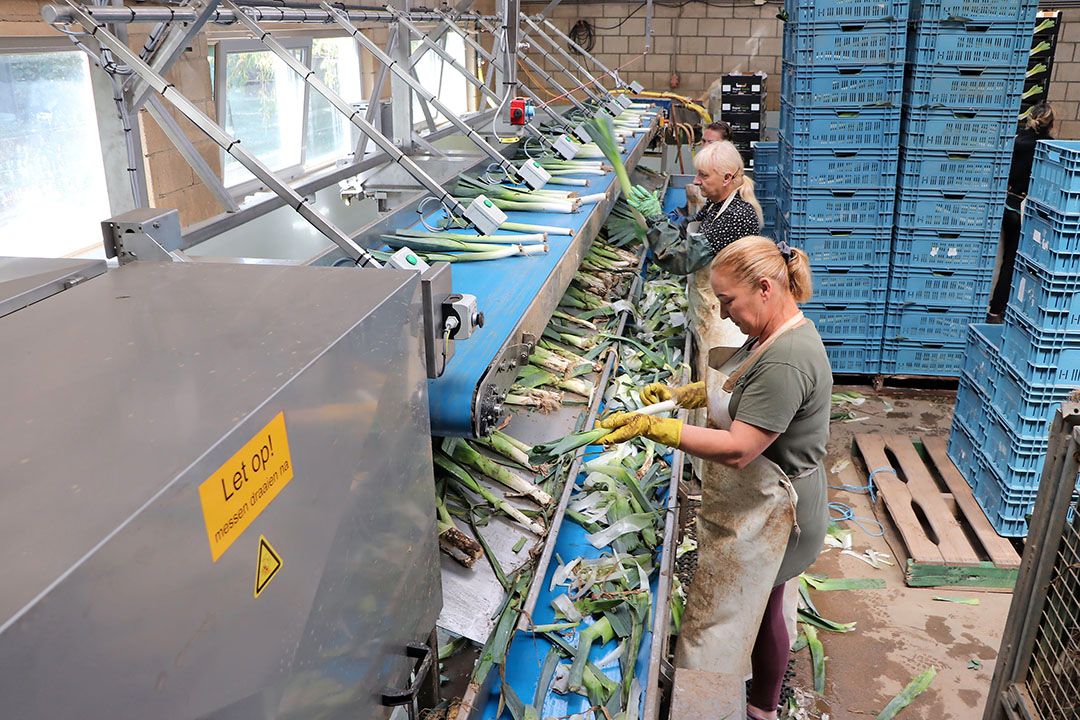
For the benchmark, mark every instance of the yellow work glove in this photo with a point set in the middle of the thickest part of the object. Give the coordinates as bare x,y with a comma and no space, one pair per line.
688,396
627,426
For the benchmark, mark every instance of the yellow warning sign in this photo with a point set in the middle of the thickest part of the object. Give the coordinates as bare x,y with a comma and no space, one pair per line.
269,564
242,488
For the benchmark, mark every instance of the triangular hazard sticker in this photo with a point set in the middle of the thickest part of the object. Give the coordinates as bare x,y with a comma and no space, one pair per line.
269,564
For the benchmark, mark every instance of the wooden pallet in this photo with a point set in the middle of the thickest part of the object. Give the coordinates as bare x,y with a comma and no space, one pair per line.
952,543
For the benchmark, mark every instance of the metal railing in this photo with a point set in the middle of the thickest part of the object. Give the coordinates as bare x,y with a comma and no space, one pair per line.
1038,670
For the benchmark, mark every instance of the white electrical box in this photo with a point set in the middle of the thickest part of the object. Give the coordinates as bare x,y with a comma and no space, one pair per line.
406,259
484,215
636,87
624,100
534,176
565,147
613,108
582,134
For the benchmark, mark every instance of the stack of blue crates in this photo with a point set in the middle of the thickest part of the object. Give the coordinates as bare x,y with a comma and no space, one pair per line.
767,183
966,65
842,83
1034,358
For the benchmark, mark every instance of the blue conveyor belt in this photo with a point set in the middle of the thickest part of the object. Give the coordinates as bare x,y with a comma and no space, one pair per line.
527,652
504,290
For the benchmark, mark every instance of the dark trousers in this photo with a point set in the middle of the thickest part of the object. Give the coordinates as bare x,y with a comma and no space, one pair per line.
769,658
1010,241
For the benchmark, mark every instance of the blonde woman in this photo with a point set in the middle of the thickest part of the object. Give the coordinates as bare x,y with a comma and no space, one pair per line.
764,507
731,212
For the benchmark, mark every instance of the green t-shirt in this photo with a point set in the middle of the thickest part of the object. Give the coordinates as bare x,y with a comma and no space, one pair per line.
789,391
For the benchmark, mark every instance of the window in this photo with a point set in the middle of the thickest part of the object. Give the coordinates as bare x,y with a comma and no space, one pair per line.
441,78
289,127
53,195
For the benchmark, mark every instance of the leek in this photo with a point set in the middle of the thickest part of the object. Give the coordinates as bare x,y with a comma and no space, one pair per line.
464,453
914,688
518,239
817,658
498,442
528,228
602,132
460,476
600,630
452,541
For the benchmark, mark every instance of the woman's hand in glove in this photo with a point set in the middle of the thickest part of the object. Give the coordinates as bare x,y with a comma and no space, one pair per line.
688,396
644,201
627,426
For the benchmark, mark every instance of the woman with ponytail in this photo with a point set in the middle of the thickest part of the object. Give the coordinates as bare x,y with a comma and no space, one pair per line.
763,510
731,212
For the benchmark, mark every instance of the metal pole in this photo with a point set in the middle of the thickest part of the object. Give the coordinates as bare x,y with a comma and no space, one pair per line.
375,100
169,52
198,163
384,143
562,51
479,50
614,75
469,77
217,134
575,81
125,15
425,94
543,73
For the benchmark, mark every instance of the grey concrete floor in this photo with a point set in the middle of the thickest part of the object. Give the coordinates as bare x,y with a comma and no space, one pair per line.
900,630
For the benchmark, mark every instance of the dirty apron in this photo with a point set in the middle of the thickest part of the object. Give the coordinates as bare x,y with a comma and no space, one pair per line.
708,328
745,525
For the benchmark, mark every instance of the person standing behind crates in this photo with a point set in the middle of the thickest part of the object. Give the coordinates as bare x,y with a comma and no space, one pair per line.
1040,124
731,212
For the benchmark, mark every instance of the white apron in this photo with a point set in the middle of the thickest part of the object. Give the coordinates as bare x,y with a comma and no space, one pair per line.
745,523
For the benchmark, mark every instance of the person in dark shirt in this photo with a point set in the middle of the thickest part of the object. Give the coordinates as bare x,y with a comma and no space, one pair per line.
715,132
1040,123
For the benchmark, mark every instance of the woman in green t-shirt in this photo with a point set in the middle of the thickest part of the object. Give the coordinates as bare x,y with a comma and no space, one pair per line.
763,509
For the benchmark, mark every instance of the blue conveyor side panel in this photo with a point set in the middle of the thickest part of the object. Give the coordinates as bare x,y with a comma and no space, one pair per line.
527,652
504,290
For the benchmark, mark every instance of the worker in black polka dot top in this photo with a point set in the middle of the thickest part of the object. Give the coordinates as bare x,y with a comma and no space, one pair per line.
731,212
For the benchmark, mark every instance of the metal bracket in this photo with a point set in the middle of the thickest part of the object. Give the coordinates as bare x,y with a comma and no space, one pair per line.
494,386
434,289
143,234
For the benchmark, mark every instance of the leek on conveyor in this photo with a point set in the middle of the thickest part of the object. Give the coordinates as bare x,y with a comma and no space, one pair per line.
602,132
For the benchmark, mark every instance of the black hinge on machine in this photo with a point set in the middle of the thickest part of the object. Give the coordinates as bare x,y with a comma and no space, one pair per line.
393,697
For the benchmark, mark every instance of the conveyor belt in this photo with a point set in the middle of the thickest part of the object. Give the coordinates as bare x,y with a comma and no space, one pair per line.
517,295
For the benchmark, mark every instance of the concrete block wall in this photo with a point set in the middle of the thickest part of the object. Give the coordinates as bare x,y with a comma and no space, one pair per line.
700,42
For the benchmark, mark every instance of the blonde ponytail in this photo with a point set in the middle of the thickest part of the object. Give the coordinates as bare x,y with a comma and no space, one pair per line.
746,192
754,257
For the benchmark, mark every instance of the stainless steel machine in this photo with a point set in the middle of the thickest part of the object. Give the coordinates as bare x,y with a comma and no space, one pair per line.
209,514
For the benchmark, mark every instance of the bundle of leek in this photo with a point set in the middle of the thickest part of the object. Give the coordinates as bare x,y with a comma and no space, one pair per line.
507,198
453,541
463,452
515,239
461,477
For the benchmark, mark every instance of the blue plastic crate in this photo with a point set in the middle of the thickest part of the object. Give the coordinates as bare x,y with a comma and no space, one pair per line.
831,86
834,285
941,288
827,169
842,11
1007,510
1055,175
853,357
769,211
860,43
869,209
1040,359
933,87
766,156
837,247
922,358
1050,240
839,128
978,11
983,358
1048,302
969,46
846,321
935,324
953,171
960,130
962,450
954,210
1029,409
1017,457
945,249
972,407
